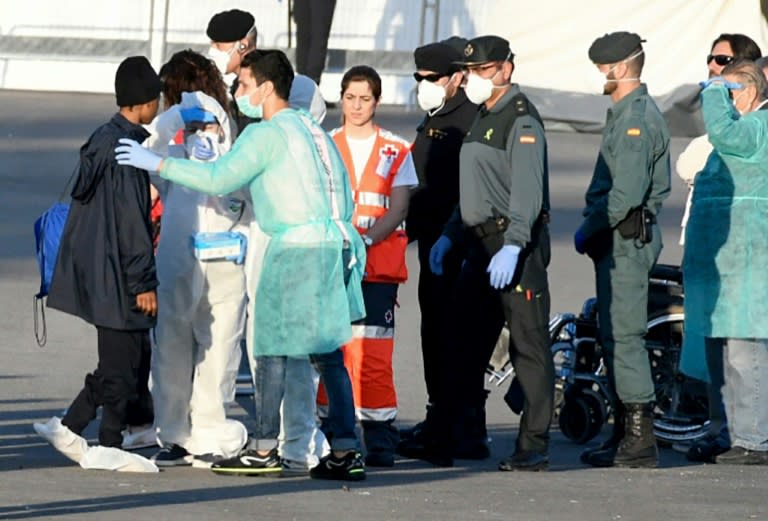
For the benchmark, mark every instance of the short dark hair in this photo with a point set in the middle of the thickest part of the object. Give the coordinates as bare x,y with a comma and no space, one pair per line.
362,73
743,47
636,64
270,65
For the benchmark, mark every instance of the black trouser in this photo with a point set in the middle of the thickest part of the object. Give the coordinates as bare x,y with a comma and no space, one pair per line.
478,314
313,26
118,385
434,298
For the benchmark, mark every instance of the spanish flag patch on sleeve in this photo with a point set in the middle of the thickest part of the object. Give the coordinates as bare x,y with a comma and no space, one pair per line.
527,139
633,132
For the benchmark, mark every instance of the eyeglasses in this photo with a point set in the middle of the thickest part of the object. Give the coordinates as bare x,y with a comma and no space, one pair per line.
431,78
721,59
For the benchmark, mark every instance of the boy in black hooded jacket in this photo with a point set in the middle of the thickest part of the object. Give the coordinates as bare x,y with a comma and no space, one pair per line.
105,270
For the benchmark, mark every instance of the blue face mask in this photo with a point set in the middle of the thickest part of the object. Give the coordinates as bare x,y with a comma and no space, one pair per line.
252,111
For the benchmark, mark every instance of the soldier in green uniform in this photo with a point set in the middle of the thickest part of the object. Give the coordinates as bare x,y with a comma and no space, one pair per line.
631,179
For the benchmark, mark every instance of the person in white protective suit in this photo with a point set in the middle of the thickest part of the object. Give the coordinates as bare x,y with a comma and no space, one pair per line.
202,302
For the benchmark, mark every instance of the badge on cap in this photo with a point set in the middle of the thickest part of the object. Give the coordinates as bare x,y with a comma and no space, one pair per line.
468,50
633,132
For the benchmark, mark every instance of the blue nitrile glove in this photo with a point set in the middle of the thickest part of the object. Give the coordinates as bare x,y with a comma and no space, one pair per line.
719,80
579,241
203,148
502,266
197,114
132,154
439,250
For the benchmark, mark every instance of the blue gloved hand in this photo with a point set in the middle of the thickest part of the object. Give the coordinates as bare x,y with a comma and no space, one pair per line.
197,114
502,266
132,154
719,80
439,250
579,241
203,148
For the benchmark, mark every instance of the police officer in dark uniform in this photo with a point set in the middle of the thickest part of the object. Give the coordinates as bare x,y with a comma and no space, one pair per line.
501,220
435,151
631,179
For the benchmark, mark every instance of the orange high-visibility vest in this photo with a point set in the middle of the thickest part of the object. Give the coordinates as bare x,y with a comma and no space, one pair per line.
386,259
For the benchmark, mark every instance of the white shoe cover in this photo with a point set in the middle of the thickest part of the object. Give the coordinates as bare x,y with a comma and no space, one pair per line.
64,440
139,438
112,458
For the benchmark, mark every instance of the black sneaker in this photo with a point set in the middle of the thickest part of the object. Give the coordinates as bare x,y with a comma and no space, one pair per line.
172,456
250,463
349,467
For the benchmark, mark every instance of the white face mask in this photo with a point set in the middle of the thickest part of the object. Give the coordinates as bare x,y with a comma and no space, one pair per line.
735,99
602,78
478,89
431,96
221,58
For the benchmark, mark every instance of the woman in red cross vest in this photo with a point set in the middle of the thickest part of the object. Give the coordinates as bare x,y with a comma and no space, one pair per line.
382,175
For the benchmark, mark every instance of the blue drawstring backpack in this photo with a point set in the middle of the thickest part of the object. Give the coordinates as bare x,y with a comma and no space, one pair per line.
49,228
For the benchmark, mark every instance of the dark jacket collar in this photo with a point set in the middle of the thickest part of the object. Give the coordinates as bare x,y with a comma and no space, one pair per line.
132,130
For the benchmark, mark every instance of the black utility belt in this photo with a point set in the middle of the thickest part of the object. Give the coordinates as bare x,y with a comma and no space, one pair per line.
638,225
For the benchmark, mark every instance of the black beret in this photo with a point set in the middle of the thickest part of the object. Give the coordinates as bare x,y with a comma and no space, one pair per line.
437,57
136,82
229,26
614,47
484,49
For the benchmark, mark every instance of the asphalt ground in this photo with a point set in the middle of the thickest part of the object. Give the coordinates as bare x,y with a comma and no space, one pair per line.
40,134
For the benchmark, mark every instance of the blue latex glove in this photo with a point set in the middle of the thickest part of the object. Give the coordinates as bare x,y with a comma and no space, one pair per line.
719,80
502,266
132,154
438,252
197,114
203,149
579,241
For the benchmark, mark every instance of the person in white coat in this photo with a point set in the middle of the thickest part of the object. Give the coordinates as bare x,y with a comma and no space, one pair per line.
201,315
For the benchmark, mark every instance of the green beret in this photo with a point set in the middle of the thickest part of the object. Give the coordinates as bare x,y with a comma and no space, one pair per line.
614,47
484,49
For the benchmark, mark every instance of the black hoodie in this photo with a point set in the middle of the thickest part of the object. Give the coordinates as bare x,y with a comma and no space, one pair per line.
106,255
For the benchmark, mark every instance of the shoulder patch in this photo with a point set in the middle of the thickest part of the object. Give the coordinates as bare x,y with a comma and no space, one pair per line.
634,131
527,139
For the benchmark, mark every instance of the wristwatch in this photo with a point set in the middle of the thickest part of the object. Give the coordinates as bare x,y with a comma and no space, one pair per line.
367,240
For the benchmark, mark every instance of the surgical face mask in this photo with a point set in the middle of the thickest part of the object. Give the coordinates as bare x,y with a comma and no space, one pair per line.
221,58
735,99
599,78
245,106
431,96
478,89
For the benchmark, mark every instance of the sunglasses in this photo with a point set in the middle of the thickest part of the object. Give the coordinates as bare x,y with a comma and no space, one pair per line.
431,78
721,59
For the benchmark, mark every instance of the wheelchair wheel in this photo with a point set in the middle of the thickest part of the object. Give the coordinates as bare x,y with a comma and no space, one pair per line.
682,410
582,415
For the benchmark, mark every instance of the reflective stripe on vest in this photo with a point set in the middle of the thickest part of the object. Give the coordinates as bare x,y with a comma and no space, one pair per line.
367,223
377,415
362,331
373,199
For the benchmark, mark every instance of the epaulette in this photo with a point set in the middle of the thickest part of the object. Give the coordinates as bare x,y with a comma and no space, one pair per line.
521,105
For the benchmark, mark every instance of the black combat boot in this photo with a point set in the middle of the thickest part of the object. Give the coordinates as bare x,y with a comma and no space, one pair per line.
603,454
418,430
471,434
638,448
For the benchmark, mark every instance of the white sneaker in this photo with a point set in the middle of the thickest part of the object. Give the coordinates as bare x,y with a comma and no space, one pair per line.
139,437
63,440
112,458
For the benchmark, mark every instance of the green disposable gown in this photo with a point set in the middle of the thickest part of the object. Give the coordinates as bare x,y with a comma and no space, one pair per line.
725,265
302,305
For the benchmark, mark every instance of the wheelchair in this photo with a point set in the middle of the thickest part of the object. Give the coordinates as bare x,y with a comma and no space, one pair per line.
584,400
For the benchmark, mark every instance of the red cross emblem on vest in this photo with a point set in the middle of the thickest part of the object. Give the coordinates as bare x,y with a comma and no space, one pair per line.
387,156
